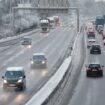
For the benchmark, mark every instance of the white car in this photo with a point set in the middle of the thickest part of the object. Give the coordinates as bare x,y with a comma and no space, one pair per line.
90,42
14,77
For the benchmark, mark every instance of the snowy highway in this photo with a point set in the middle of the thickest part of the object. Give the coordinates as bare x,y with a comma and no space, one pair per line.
17,55
53,33
90,91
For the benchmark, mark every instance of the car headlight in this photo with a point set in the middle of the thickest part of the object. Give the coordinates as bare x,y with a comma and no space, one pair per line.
29,46
32,62
5,81
43,62
19,81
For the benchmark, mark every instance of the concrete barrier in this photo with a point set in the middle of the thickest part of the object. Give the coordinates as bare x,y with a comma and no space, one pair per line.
47,90
44,93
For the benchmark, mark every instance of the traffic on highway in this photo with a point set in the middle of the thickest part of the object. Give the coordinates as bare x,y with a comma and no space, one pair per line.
52,52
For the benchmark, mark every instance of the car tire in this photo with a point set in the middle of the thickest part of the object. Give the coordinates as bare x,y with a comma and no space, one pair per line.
22,87
88,46
87,74
91,52
101,74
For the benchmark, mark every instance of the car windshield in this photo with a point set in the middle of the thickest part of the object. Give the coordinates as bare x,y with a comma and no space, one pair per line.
26,39
13,74
96,46
94,66
91,40
38,57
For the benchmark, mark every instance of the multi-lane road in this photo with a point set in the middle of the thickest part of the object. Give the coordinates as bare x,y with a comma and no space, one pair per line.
90,91
53,44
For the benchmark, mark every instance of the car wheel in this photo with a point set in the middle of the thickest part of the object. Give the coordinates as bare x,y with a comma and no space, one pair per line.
101,74
22,87
90,52
88,47
87,74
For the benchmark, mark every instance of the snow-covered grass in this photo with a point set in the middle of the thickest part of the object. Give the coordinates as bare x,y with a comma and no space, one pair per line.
22,23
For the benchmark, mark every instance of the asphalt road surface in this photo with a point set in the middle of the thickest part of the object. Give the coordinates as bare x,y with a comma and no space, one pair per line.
53,44
90,91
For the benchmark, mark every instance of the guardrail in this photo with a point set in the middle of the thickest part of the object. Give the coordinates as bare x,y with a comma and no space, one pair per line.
72,53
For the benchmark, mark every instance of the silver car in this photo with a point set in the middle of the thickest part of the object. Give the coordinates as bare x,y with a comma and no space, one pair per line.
38,60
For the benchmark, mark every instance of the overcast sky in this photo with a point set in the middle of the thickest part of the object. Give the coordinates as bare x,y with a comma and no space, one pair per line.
99,0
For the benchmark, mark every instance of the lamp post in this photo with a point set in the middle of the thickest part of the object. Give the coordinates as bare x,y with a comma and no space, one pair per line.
78,20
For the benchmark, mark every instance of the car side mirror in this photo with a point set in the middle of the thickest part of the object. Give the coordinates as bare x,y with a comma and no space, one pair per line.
2,77
24,76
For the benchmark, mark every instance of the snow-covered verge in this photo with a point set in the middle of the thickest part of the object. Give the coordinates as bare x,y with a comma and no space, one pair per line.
17,38
22,23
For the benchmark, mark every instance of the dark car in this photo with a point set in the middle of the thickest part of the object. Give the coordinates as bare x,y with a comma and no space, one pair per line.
14,77
38,60
94,69
26,42
91,35
95,49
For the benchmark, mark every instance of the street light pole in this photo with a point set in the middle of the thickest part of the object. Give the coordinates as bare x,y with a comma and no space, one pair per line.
78,20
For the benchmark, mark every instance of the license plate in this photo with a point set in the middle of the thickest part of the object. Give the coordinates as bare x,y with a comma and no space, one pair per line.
94,70
12,85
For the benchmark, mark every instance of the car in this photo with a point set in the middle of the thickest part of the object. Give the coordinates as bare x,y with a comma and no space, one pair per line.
90,42
95,49
94,69
91,34
27,42
100,29
38,60
14,77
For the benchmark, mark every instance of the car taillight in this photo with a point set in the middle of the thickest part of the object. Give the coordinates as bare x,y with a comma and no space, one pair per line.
100,69
88,69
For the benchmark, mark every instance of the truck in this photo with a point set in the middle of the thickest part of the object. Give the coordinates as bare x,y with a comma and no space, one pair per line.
44,25
57,22
99,21
51,22
90,30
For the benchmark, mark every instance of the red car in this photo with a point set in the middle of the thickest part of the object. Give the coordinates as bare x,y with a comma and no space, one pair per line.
94,69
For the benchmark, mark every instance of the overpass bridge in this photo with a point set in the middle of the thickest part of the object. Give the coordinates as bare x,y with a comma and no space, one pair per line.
45,7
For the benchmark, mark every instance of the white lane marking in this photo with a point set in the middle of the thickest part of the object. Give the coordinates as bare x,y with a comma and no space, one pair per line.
14,57
50,44
10,53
